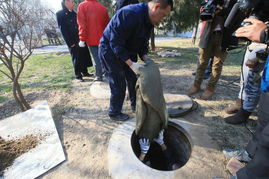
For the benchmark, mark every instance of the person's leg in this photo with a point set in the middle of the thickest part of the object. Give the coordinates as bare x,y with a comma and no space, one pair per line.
97,63
205,55
263,116
234,108
219,58
74,54
131,82
251,98
118,87
258,148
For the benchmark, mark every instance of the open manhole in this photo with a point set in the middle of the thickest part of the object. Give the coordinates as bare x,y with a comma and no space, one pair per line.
179,147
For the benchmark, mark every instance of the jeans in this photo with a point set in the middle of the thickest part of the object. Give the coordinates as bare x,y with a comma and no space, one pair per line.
250,83
96,60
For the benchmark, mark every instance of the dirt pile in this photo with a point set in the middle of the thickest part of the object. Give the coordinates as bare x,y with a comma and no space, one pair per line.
10,150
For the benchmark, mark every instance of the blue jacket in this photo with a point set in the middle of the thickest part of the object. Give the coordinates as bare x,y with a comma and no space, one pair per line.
126,36
265,78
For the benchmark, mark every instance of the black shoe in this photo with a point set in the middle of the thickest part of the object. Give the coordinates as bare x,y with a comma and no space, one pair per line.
240,117
80,79
193,73
120,117
87,74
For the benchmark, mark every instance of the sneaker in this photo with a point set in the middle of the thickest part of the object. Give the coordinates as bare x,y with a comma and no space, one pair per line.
241,155
120,117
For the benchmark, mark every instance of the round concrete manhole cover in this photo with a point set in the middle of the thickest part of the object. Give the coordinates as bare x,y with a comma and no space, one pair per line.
178,105
100,90
176,155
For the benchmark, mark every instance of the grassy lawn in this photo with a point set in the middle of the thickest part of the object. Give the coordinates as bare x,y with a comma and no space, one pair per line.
49,71
41,72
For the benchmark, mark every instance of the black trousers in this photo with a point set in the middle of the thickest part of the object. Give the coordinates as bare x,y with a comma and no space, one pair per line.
258,147
81,59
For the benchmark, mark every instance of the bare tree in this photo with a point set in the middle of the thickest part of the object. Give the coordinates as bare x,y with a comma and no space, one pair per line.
17,40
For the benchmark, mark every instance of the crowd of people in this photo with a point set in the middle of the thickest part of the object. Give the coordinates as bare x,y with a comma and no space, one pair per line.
115,45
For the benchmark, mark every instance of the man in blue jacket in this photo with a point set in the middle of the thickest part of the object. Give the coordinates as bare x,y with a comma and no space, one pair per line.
125,37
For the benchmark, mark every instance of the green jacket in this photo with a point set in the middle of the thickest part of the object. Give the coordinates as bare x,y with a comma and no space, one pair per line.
151,112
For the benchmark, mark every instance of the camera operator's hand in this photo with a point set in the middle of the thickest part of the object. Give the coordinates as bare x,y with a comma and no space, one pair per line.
253,31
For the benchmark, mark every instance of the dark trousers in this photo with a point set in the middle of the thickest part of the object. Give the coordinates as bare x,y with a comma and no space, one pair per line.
258,147
117,82
79,67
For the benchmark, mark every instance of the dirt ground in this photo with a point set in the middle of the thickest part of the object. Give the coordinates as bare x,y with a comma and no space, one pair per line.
85,129
11,149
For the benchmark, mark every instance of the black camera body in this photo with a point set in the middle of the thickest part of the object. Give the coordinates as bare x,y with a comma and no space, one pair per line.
208,10
209,7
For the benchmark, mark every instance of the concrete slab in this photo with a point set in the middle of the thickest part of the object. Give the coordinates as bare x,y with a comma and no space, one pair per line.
48,154
204,162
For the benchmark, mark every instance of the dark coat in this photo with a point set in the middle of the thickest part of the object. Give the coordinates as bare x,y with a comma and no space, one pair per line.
126,36
121,3
67,22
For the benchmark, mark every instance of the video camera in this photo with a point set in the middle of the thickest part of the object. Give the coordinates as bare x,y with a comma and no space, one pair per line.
209,7
241,10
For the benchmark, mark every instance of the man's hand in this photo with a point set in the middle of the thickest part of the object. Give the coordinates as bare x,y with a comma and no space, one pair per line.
81,44
144,145
135,67
253,31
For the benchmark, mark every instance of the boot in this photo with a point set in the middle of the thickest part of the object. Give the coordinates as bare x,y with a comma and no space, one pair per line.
194,89
234,108
240,117
209,91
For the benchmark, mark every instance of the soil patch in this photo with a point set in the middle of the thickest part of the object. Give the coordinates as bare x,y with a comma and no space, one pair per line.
10,150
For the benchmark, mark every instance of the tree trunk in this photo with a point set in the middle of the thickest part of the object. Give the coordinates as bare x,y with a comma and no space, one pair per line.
152,40
17,93
21,96
14,90
195,33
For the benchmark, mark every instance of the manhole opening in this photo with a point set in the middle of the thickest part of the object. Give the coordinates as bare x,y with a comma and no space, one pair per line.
178,151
